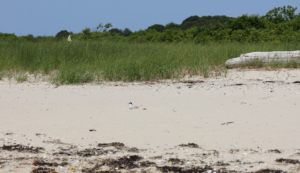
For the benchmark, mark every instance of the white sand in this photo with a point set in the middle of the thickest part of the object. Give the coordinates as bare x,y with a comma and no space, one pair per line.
265,115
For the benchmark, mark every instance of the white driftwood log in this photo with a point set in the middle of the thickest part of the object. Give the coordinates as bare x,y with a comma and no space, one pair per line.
265,58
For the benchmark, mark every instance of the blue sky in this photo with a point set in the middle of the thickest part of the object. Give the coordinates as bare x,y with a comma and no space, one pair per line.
48,17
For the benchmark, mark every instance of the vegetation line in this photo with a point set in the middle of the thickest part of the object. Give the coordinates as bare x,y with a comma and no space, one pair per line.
89,60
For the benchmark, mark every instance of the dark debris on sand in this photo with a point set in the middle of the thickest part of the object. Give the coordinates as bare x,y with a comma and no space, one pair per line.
288,161
191,145
22,148
93,152
130,162
126,162
118,145
274,151
9,133
96,151
156,157
221,163
146,164
47,163
192,82
43,170
269,171
96,170
85,152
133,150
176,161
191,170
233,151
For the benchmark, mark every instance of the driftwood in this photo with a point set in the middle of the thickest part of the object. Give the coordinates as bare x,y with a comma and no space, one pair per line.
264,58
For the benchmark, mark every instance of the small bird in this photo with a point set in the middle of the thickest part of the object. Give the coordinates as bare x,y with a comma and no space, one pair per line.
131,106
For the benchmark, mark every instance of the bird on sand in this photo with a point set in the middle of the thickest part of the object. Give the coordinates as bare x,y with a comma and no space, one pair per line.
131,106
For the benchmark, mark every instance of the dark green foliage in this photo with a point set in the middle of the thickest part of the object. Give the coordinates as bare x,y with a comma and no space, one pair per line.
62,34
8,37
126,32
196,21
245,21
172,35
157,27
29,37
115,31
281,14
44,38
190,22
296,23
103,28
86,31
172,25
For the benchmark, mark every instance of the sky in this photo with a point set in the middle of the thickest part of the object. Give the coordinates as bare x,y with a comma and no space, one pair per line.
48,17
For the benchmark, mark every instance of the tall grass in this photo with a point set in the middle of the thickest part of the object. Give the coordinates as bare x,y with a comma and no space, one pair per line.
86,61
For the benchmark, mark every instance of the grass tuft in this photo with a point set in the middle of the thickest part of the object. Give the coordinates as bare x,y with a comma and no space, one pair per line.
292,64
71,76
21,77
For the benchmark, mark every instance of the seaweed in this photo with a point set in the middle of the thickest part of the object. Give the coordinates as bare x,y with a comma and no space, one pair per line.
288,161
191,145
22,148
43,170
118,145
269,171
46,163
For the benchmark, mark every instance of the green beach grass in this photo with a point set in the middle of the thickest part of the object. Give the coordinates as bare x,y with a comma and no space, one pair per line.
89,60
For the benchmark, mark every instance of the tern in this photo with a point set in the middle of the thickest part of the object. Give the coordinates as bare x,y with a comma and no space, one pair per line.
131,106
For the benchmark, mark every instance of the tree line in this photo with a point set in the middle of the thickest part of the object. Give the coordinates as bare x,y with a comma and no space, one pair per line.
281,24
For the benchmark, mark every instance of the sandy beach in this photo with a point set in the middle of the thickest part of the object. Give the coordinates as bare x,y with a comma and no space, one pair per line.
246,121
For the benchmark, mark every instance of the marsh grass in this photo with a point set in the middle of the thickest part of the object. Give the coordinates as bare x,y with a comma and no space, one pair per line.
292,64
1,75
253,63
21,77
276,65
87,61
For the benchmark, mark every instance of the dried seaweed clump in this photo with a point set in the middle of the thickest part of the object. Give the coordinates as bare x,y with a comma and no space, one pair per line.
92,152
126,162
187,170
176,161
43,170
274,151
269,171
118,145
22,148
288,161
191,145
46,163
